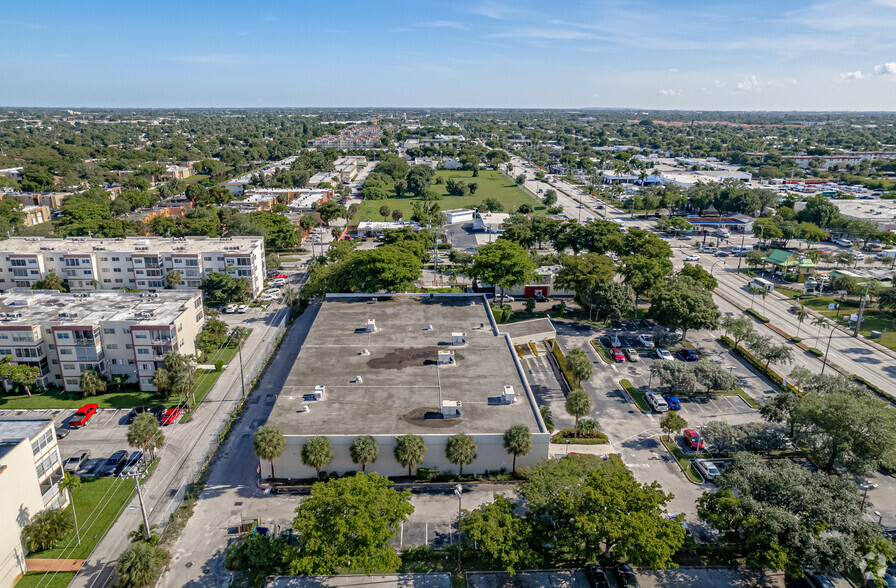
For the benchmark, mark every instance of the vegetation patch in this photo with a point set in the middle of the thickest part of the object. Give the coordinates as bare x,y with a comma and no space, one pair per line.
594,438
815,351
772,375
637,395
757,315
561,363
683,461
602,351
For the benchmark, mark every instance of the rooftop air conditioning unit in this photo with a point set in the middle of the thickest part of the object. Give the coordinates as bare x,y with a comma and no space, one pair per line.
458,339
319,392
508,396
371,325
446,357
451,409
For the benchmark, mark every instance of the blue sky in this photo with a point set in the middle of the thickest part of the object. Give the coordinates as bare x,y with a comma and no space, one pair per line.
747,55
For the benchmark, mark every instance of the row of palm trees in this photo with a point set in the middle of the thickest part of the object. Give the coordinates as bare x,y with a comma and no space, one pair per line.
409,451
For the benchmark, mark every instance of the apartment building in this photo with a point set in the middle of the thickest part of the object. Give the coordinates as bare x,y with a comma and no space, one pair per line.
114,332
136,263
30,471
352,137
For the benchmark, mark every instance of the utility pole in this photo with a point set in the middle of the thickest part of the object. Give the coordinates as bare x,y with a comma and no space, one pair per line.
855,332
457,491
741,254
142,506
242,377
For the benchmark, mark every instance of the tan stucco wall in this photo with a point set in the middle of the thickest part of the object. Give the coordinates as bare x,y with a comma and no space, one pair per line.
21,499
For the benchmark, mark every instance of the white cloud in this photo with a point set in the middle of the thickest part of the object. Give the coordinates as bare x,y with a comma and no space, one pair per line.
887,69
670,92
673,70
852,75
750,83
443,24
753,84
718,84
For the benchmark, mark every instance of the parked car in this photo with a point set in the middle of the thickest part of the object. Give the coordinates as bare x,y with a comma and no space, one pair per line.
818,580
688,355
134,464
230,308
646,341
76,461
656,402
171,415
157,411
672,401
62,433
631,354
83,416
242,308
707,468
597,578
134,412
721,254
111,466
560,308
625,576
692,257
693,439
664,355
618,357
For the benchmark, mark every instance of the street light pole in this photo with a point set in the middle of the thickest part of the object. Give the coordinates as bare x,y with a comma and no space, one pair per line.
824,364
458,490
741,254
242,377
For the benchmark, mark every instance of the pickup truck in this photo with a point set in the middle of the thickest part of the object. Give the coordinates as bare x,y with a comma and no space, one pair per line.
83,416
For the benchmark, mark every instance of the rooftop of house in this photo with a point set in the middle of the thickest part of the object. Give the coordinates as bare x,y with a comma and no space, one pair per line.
80,245
22,307
398,386
14,430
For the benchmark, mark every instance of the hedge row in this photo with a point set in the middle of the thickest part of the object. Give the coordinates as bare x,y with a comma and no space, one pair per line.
815,351
596,438
561,362
755,314
772,375
874,388
501,313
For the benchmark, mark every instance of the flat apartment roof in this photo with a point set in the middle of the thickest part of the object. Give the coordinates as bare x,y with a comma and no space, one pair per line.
402,387
14,430
19,245
45,306
877,210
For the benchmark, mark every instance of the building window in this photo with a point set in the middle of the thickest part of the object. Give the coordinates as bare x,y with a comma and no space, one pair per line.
64,351
112,346
62,335
108,331
72,382
143,351
128,346
115,259
116,270
17,262
54,362
68,366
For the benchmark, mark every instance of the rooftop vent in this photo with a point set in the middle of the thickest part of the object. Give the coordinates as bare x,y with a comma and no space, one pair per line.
359,380
365,351
451,409
428,328
458,339
446,357
508,396
371,325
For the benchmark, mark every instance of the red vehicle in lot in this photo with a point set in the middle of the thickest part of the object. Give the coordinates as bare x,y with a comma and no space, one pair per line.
83,416
618,357
171,415
693,439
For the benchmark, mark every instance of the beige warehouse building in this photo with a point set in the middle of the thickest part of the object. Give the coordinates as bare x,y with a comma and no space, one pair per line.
433,365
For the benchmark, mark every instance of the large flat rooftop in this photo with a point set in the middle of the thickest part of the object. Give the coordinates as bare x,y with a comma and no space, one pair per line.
45,306
402,387
32,245
14,430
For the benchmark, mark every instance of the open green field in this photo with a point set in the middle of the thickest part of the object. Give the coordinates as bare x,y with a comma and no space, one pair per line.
35,579
58,398
492,184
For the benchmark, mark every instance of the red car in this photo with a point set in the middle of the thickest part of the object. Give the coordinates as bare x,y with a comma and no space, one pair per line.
171,415
693,439
83,416
618,355
281,276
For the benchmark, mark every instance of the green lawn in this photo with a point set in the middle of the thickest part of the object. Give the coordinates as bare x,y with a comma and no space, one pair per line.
32,580
636,395
492,184
58,398
98,501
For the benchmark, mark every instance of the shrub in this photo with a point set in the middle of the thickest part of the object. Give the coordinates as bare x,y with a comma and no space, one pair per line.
756,315
426,474
796,339
219,365
594,438
816,352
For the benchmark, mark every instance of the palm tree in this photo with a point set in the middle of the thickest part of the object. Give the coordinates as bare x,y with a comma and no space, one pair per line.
578,404
517,441
409,451
364,450
145,434
269,444
139,566
46,529
579,365
317,452
69,484
92,383
461,451
173,278
801,314
820,322
547,417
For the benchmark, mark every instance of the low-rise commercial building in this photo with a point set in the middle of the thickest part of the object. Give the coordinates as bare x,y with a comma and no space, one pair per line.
113,332
35,215
13,173
434,365
30,471
137,263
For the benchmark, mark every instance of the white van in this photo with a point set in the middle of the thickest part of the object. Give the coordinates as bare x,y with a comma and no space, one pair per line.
741,251
656,402
842,242
762,284
723,233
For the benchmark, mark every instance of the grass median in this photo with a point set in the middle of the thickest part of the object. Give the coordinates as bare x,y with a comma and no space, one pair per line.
637,395
683,461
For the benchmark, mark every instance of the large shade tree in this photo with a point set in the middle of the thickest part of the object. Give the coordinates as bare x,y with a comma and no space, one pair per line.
504,264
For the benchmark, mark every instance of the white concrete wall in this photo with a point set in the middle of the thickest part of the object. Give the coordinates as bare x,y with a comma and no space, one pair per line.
490,456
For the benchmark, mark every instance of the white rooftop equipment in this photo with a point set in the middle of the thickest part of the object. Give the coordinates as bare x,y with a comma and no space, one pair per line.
371,325
508,396
458,339
319,392
451,409
446,357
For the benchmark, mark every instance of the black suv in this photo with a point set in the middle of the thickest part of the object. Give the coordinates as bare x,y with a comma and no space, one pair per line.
596,576
134,412
157,411
112,465
625,576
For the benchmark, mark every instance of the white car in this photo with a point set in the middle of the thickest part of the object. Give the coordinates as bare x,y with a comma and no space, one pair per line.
231,308
858,256
692,257
664,355
242,308
707,468
646,341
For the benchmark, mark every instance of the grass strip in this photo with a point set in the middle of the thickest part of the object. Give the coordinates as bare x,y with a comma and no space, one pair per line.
602,351
683,462
561,361
636,395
